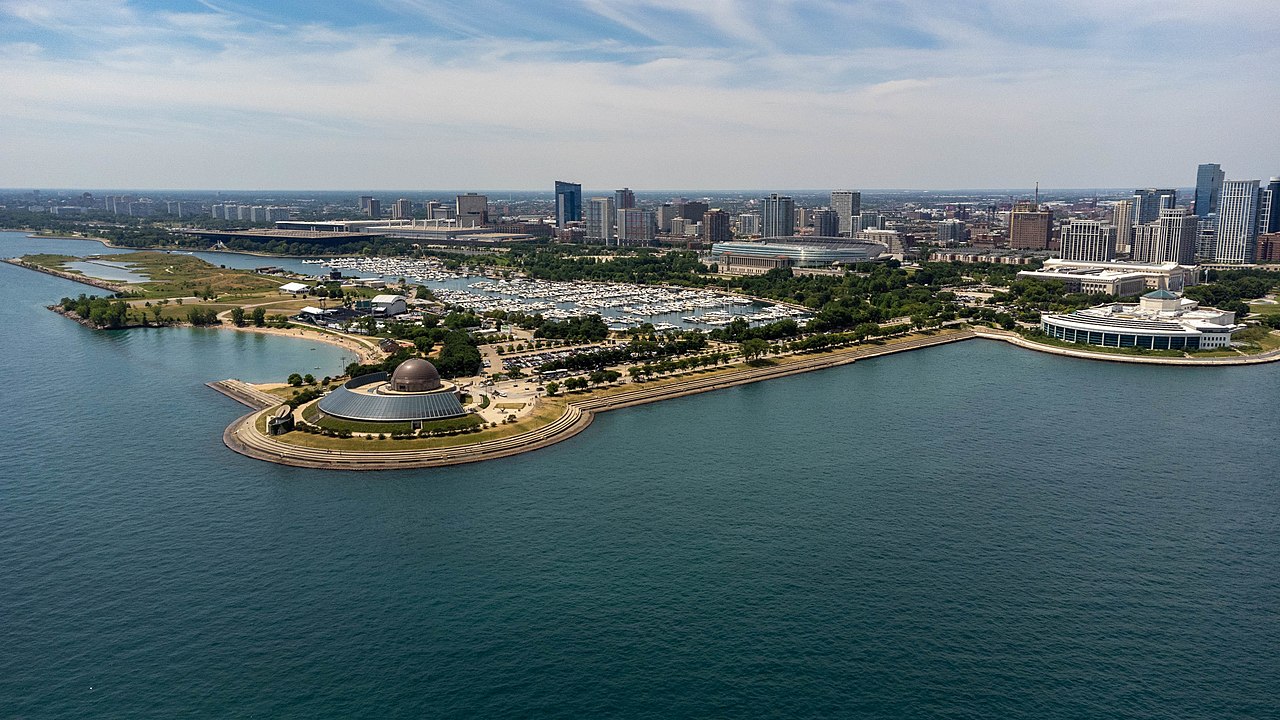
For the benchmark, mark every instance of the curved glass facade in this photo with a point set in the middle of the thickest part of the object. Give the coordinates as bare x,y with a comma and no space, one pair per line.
804,255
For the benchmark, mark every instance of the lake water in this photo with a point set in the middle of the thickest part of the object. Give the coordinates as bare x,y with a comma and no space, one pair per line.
967,531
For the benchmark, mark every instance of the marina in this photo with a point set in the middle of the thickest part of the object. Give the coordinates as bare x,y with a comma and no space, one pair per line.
623,306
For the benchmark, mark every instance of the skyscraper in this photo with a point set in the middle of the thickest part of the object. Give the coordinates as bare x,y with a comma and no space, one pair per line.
867,221
375,208
403,209
1148,203
779,216
635,227
715,226
952,232
665,214
473,210
692,210
1122,219
568,202
1169,238
1088,241
749,224
599,221
847,204
1237,221
1030,228
826,223
624,198
1209,177
1269,207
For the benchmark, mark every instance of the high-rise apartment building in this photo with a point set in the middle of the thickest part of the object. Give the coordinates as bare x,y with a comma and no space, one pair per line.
1207,238
749,224
826,222
473,210
635,227
1169,238
1148,203
1269,207
779,216
1268,248
624,198
868,221
402,209
692,210
1030,228
375,208
715,226
1088,241
599,230
952,232
1237,221
665,213
1122,219
568,203
847,204
1209,177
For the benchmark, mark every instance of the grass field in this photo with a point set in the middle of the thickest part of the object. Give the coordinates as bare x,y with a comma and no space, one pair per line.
173,276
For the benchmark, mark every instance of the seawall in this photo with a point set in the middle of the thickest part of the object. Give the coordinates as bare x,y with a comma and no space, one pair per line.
243,437
73,277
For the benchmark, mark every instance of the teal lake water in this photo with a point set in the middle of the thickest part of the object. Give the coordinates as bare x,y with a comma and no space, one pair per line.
969,531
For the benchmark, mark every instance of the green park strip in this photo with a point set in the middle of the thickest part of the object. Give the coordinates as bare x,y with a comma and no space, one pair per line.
173,275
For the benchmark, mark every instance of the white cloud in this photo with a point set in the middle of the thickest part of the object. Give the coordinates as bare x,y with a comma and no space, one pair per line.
247,102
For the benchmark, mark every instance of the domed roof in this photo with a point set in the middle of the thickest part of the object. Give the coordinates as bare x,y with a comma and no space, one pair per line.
415,375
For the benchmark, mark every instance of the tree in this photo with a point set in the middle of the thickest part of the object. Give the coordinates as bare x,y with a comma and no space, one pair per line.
754,348
237,317
553,388
295,380
259,317
309,379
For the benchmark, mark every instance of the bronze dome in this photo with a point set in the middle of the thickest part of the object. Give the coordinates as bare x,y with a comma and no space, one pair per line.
415,375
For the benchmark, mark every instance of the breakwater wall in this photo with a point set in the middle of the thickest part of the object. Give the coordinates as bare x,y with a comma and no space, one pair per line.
73,277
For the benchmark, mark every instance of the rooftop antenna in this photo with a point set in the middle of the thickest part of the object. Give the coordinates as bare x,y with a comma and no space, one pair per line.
1037,194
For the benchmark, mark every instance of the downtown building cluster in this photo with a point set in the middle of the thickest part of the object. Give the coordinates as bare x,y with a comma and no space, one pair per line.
1226,222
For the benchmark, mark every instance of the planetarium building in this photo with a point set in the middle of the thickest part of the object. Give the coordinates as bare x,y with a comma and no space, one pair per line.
412,392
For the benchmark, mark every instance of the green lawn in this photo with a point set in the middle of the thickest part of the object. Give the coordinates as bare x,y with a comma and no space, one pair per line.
549,410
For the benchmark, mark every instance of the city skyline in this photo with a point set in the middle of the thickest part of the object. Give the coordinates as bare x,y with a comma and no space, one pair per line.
409,93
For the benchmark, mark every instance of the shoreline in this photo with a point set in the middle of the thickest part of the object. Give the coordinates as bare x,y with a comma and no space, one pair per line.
364,353
1019,341
242,435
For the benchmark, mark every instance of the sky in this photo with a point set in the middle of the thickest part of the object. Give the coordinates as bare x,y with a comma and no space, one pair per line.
651,94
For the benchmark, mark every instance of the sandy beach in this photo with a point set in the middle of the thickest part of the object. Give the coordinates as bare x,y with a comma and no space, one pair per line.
367,351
